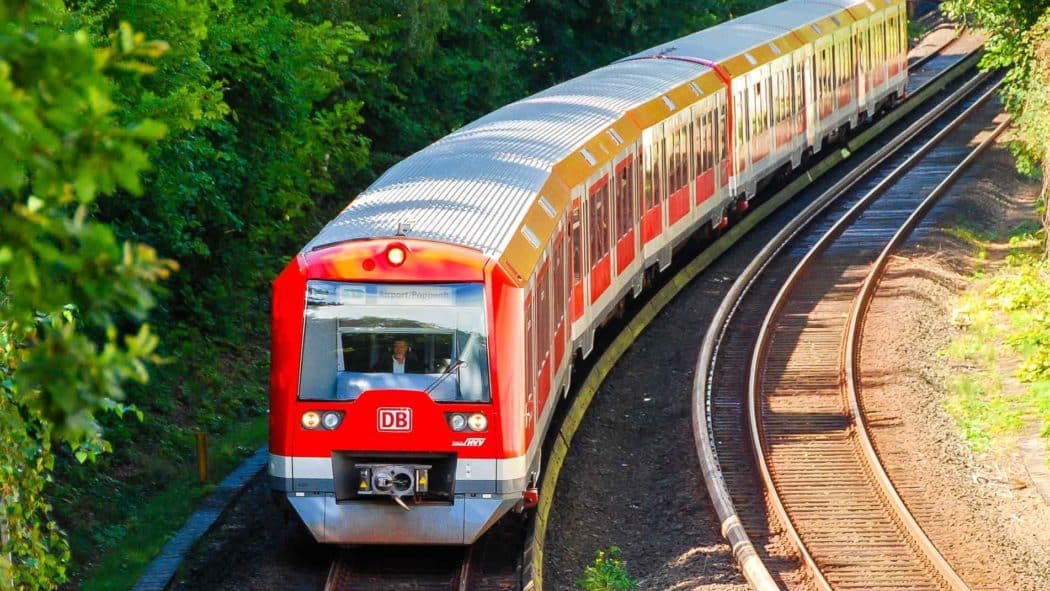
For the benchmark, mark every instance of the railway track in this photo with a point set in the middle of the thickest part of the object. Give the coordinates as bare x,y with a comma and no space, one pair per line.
784,388
492,564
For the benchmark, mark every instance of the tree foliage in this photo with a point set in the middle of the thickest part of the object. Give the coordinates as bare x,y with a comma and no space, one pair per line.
1018,33
253,142
72,296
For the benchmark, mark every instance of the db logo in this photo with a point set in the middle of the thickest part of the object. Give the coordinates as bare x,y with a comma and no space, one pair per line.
395,419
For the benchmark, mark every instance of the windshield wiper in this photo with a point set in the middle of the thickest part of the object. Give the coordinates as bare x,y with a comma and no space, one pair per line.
448,371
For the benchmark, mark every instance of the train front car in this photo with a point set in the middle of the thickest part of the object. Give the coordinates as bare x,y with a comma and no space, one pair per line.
392,421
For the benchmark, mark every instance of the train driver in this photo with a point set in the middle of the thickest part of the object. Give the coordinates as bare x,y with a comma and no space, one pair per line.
400,361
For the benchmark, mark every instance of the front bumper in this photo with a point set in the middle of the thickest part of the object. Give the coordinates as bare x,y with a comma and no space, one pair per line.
371,522
485,490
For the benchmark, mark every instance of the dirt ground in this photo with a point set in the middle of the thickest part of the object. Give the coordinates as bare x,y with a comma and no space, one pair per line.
638,434
994,496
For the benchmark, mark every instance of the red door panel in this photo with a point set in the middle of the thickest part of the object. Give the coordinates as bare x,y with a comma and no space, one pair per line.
843,95
652,223
759,146
624,252
544,387
705,186
783,132
559,343
576,248
725,172
600,277
678,205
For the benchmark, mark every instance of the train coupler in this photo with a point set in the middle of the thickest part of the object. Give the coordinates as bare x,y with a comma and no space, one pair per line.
531,496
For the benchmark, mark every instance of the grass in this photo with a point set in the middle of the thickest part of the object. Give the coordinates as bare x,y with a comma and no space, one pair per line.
608,572
119,512
1000,387
141,537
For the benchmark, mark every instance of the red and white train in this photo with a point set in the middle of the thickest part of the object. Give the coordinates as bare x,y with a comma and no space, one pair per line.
421,340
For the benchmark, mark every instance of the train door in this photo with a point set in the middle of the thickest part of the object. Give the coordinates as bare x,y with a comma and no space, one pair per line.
577,255
543,337
902,32
531,415
810,86
758,119
861,51
558,294
844,67
677,138
893,42
704,153
783,112
722,138
652,179
877,40
741,138
798,94
624,193
599,242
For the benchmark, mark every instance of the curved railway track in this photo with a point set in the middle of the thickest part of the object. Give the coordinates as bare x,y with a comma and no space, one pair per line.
819,488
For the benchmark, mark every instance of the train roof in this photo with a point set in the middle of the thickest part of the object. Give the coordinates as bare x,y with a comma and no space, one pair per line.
501,183
474,186
757,29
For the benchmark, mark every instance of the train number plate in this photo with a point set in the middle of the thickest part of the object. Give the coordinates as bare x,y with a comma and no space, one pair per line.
395,419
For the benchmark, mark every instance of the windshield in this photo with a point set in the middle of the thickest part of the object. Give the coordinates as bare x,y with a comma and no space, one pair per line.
361,336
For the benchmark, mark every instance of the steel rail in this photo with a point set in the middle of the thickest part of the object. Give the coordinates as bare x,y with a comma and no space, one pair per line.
732,528
465,570
781,299
857,314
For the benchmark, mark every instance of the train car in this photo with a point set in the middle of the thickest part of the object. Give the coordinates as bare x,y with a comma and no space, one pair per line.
422,340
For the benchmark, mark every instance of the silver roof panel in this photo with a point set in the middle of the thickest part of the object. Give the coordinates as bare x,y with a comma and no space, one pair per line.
474,186
742,34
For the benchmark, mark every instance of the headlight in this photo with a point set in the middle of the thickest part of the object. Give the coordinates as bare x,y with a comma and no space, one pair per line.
478,422
311,420
457,422
331,419
396,255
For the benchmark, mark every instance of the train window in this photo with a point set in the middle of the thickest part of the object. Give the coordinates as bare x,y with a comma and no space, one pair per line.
577,260
558,294
741,129
759,116
530,350
599,223
675,174
543,314
364,336
624,200
723,146
683,159
653,177
710,142
679,159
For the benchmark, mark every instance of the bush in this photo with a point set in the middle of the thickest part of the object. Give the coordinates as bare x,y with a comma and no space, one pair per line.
608,573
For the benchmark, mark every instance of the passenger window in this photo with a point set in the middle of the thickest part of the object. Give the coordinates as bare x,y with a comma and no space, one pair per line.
577,261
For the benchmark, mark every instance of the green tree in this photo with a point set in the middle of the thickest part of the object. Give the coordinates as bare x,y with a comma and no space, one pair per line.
578,36
430,66
72,296
1017,41
255,139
